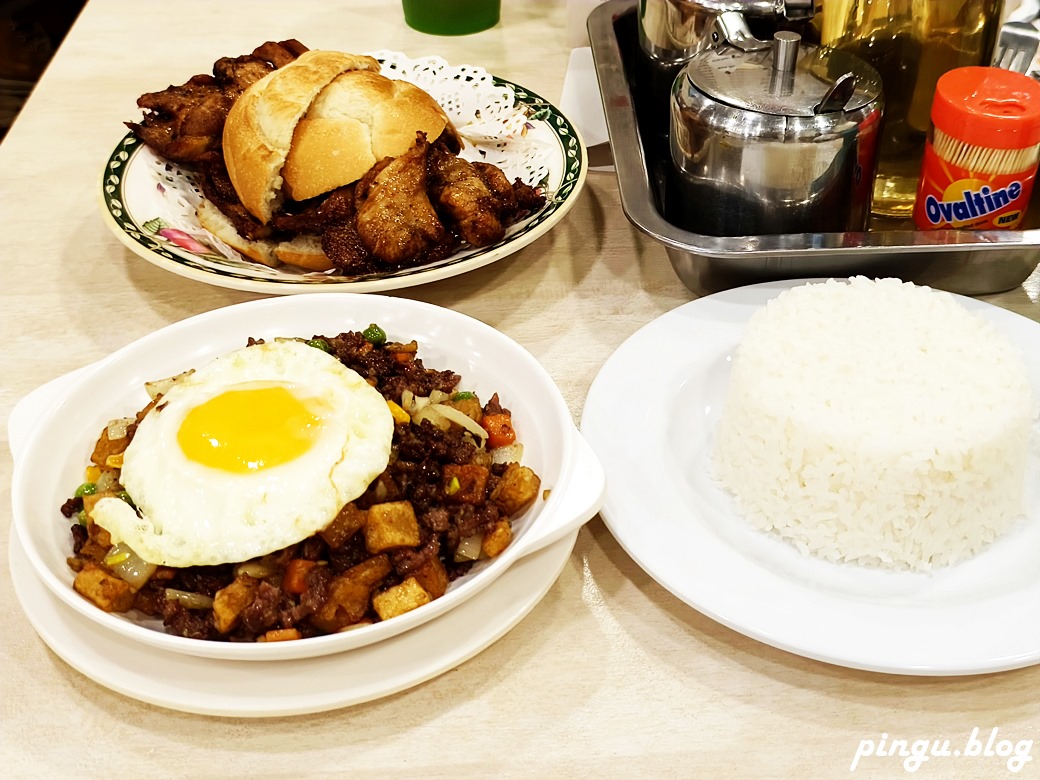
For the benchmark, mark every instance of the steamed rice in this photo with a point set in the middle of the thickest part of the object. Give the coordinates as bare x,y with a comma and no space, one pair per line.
876,422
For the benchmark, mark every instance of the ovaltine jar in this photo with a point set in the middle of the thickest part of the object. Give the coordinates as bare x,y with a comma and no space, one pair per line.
981,156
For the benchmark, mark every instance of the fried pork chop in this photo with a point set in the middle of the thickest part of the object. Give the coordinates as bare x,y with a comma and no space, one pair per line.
395,218
407,210
185,123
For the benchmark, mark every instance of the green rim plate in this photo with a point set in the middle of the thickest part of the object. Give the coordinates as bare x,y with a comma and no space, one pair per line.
136,182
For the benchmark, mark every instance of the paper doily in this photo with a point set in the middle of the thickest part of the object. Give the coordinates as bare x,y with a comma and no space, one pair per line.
492,122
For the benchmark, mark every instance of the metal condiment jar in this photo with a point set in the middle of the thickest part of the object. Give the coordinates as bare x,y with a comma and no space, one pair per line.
772,137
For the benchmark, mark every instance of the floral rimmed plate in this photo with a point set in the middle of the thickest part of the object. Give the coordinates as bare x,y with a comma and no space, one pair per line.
149,202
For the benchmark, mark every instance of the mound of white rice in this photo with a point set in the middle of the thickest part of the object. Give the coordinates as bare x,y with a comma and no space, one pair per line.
876,422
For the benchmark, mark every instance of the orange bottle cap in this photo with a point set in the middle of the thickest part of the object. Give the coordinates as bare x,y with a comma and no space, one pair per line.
988,107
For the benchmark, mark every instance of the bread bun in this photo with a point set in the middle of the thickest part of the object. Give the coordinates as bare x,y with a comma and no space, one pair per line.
318,123
260,125
303,251
213,219
353,123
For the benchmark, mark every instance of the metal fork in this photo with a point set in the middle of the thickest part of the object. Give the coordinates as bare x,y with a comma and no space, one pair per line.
1016,46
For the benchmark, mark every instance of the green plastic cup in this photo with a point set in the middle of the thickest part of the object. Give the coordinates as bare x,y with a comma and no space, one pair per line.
451,17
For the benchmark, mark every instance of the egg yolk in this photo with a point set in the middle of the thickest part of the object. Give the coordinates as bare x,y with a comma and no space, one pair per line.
246,429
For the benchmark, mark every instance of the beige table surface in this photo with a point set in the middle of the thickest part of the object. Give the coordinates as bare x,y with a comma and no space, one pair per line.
610,676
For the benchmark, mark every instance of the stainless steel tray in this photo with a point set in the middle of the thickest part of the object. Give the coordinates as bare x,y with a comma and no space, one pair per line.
961,261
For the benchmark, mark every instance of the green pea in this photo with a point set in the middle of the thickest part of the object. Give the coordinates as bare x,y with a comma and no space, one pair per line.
463,395
86,489
374,335
321,344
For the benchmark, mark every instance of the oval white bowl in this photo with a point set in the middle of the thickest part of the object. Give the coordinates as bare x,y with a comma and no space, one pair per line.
53,430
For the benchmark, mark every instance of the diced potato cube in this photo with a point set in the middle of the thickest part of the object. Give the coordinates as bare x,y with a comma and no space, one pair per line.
230,601
433,577
350,594
104,589
399,599
359,624
344,525
390,525
347,603
370,572
106,447
517,487
497,538
465,484
280,635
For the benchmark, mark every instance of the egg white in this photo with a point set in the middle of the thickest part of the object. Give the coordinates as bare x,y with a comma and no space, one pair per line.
189,514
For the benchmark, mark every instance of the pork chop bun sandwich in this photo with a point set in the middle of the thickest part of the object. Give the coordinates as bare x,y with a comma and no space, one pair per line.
308,128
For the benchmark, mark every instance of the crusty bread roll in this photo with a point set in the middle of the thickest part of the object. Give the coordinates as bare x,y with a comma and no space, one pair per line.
214,220
353,123
316,124
259,128
303,251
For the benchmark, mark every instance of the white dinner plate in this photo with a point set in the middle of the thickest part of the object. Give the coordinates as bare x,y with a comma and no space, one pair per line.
270,688
149,203
651,415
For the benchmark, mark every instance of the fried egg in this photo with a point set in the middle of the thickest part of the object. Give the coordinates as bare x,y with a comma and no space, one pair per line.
250,453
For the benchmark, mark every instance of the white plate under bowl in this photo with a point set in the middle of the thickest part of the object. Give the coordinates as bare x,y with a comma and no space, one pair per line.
981,615
53,430
294,687
138,187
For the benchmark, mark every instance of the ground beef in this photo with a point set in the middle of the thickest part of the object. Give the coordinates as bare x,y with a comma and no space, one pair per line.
80,536
407,561
190,623
265,610
206,580
72,506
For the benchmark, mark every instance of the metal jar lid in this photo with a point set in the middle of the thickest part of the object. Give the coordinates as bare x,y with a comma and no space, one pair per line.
785,78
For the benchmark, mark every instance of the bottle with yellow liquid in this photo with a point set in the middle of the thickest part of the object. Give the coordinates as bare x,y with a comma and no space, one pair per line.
911,43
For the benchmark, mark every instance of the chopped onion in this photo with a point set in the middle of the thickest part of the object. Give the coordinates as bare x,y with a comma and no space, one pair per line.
107,481
129,566
162,386
460,418
438,397
469,548
117,428
408,401
189,600
511,453
258,568
431,413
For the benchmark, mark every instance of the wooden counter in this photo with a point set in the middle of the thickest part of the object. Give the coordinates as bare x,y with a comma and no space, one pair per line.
610,675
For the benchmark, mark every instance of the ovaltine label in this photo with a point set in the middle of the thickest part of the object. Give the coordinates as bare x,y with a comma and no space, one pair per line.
949,196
